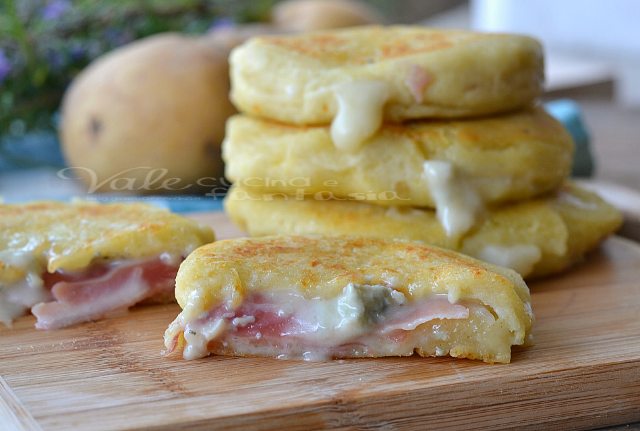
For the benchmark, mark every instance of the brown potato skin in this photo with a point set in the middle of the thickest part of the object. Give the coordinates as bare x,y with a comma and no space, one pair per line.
310,15
227,38
158,103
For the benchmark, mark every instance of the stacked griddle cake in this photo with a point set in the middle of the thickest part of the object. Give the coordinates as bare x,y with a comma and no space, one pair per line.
407,132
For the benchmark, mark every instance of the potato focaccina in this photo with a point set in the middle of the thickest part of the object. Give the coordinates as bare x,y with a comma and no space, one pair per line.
534,237
307,297
75,262
358,78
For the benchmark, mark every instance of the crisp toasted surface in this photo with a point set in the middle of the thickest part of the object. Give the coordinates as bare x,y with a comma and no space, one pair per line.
563,226
457,73
228,271
60,236
506,158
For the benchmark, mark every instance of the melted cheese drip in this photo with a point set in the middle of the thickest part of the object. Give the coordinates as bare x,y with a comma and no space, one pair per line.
521,258
577,201
457,203
359,114
196,341
17,298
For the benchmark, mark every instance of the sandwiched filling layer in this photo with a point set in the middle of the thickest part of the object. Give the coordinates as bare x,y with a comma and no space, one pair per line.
365,320
64,298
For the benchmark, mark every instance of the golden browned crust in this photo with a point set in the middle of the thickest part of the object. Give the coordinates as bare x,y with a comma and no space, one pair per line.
385,43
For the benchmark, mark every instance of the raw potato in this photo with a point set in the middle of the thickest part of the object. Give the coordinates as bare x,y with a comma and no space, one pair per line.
159,103
229,37
310,15
296,16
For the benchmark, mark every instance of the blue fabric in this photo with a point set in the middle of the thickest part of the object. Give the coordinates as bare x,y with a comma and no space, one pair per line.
176,204
569,114
32,150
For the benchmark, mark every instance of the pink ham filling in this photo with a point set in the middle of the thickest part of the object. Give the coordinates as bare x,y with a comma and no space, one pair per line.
416,81
426,311
91,294
266,324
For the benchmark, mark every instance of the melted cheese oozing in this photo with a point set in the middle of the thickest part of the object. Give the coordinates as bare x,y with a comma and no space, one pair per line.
576,201
359,116
457,202
521,258
348,316
17,298
196,341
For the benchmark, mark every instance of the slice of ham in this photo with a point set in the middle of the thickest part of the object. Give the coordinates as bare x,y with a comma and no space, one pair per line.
416,315
102,289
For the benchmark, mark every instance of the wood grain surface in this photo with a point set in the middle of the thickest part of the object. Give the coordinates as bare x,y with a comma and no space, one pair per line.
583,372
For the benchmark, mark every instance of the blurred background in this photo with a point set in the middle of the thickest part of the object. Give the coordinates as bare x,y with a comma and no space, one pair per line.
157,97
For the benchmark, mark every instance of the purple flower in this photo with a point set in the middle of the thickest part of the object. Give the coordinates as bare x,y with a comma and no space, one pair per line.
77,53
56,59
117,37
222,23
5,66
54,9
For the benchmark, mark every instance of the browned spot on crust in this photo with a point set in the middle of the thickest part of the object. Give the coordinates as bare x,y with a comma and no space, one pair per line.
314,46
309,279
402,49
254,248
341,256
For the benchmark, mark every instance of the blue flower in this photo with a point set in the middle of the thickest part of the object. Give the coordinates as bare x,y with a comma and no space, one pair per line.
5,66
54,9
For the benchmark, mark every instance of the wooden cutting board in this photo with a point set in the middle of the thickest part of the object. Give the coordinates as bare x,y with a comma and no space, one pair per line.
583,372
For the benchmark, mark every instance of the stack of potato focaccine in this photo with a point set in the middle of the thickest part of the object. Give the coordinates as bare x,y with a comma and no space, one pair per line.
407,132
